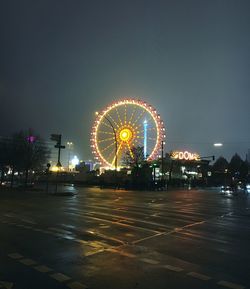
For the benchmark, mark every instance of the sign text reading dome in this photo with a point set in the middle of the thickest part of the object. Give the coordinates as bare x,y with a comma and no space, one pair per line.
185,155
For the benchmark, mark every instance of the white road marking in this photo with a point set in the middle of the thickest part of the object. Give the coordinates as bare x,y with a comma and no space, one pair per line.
27,227
149,261
104,227
6,285
147,238
76,285
27,261
37,230
129,255
69,237
29,221
59,230
81,241
60,277
173,268
230,285
43,269
87,254
9,215
199,276
129,235
15,256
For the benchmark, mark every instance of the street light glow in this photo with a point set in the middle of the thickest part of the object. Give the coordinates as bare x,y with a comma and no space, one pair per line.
218,144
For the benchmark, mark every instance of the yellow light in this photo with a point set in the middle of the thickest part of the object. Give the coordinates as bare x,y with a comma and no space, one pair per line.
125,134
54,169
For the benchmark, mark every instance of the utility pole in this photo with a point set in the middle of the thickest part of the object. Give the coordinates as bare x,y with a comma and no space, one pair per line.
58,139
69,144
163,184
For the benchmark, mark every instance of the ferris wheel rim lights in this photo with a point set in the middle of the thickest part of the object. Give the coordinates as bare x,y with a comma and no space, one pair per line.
143,104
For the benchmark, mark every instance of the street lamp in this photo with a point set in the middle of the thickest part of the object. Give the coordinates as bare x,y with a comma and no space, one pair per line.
114,131
162,161
218,144
70,145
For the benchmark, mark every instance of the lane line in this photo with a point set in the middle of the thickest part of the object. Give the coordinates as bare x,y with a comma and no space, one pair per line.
43,269
129,255
230,285
173,268
170,232
199,276
114,222
15,256
59,230
147,238
149,261
76,285
60,277
29,221
93,252
27,261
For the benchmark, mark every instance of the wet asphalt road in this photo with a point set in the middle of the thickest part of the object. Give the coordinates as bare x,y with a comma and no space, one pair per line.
110,239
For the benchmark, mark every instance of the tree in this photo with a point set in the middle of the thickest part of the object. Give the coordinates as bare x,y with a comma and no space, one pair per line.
220,165
134,157
5,154
141,172
244,170
28,152
235,165
220,175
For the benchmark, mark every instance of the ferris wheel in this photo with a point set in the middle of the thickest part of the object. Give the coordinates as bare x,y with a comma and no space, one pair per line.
123,125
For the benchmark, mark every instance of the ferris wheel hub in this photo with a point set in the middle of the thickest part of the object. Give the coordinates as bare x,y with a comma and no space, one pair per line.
125,135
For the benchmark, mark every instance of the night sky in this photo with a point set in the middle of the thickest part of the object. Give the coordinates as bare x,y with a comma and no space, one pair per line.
63,60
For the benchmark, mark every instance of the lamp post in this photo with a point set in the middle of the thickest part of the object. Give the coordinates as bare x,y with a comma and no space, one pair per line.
70,145
162,161
218,144
114,131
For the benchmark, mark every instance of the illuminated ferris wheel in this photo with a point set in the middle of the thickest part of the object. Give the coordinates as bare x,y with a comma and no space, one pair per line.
123,125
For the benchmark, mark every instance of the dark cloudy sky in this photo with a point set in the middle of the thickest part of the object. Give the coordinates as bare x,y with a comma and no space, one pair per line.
60,61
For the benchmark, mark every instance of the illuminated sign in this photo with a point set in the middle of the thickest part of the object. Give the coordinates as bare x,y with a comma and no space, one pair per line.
187,156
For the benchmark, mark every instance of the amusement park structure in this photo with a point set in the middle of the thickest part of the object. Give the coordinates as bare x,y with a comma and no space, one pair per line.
123,125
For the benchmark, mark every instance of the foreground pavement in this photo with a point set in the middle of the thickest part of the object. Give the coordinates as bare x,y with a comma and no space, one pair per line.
124,239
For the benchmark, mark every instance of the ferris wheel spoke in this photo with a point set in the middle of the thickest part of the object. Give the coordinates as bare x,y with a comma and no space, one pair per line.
125,114
111,154
132,115
140,131
116,154
106,132
105,139
140,116
118,115
130,151
117,125
107,147
107,125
